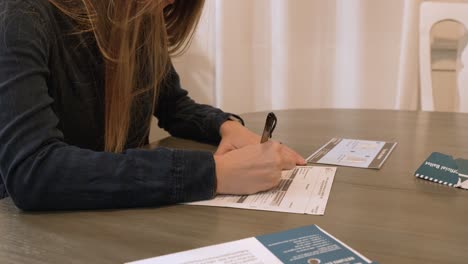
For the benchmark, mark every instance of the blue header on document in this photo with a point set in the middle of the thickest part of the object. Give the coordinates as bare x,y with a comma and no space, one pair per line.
310,245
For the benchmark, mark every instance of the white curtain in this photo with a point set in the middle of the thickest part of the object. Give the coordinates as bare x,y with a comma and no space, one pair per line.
253,55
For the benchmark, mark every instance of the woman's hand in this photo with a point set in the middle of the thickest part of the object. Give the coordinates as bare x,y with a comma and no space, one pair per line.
253,168
235,136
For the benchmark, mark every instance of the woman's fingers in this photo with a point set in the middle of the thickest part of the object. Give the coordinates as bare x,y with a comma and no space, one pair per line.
291,154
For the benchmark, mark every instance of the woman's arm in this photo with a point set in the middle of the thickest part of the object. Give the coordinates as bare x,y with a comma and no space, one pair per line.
41,172
182,117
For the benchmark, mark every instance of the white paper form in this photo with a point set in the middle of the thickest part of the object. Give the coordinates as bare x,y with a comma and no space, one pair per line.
245,251
308,244
303,190
353,153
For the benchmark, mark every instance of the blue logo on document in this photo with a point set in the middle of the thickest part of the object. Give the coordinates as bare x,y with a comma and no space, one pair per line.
309,245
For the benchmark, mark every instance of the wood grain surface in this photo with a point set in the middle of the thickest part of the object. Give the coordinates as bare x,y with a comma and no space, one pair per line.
388,215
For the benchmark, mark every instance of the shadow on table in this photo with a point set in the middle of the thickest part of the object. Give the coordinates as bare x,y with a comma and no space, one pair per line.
179,143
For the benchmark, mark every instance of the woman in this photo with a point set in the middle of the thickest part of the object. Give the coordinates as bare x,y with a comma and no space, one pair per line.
79,81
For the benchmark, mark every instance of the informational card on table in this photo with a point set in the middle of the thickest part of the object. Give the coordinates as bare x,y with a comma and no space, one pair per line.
444,169
303,190
304,245
353,153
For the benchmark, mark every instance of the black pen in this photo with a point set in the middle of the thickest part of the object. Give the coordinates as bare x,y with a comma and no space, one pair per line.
270,124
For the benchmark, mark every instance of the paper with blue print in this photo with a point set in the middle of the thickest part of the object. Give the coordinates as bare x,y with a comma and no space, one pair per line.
304,245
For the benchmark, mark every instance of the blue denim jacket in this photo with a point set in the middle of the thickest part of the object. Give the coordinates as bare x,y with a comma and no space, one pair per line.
51,124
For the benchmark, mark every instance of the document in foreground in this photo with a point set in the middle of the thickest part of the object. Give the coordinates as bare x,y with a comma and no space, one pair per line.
353,153
305,245
303,190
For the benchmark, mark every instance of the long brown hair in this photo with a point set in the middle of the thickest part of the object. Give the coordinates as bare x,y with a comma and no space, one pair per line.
134,37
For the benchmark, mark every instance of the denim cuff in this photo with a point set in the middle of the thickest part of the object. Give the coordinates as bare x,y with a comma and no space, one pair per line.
223,117
194,175
237,118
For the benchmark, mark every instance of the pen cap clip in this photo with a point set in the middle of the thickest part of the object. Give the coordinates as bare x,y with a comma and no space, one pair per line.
271,123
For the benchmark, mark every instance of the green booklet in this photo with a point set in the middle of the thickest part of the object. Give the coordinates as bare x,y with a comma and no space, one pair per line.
444,169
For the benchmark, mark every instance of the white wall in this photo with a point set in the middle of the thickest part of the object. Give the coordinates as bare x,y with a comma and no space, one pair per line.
253,55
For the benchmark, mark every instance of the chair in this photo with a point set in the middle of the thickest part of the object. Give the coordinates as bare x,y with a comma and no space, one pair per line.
432,13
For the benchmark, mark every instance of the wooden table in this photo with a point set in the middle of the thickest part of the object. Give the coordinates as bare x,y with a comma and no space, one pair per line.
388,215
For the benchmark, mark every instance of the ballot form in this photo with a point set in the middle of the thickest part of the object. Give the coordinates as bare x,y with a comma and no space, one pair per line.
353,153
303,190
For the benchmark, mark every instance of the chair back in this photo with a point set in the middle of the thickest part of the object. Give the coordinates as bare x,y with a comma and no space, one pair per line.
432,13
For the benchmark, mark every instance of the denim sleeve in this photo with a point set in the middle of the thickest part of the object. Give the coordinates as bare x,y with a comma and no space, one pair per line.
41,172
182,117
